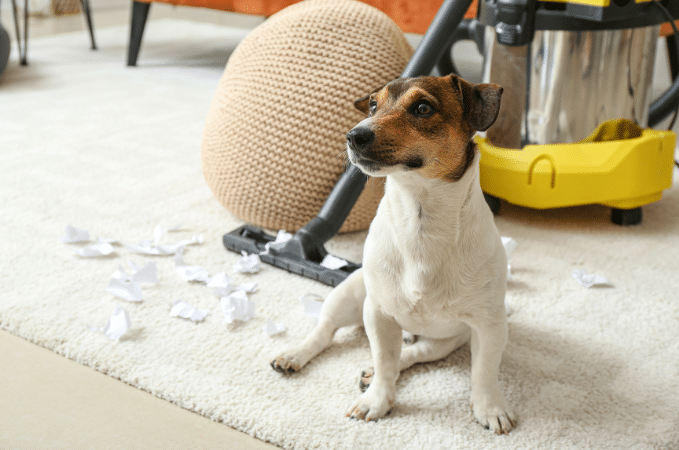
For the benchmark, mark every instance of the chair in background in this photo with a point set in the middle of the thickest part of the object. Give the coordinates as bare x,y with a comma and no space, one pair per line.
412,16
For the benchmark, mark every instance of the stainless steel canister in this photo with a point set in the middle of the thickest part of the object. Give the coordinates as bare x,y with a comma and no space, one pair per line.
561,86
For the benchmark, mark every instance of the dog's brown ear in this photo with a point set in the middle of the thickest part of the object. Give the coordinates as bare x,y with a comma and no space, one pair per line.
363,103
480,102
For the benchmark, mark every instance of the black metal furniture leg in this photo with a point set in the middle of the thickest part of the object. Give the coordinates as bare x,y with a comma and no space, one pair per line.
17,29
140,12
86,9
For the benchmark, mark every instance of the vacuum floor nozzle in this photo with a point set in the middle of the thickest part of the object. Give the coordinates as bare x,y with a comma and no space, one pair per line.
287,256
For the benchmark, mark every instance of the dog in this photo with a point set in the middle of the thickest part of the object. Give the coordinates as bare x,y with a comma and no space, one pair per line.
434,264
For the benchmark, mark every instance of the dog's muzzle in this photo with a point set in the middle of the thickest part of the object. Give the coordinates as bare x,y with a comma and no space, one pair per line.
360,139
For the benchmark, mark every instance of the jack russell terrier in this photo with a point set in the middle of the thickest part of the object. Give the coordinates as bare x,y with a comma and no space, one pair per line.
434,264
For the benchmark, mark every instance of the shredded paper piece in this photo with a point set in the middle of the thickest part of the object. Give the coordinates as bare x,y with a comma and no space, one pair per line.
73,234
96,250
509,244
189,273
333,262
153,246
128,287
237,306
312,305
222,285
116,326
281,238
182,309
273,328
587,280
248,264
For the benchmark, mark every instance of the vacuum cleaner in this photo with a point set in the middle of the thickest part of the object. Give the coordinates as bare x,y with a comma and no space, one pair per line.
529,36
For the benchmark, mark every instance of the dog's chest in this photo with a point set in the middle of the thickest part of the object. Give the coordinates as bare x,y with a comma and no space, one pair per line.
416,281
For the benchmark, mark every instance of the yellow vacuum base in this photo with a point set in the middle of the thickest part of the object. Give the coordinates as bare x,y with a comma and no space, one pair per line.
622,174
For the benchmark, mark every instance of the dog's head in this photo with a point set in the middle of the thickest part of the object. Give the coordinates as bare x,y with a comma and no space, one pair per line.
424,124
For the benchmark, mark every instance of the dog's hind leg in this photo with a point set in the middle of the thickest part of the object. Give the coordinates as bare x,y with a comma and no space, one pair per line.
424,350
343,307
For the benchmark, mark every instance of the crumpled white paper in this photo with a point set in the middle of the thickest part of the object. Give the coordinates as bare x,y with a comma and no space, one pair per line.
182,309
333,262
587,280
281,238
510,245
222,285
312,305
153,246
73,234
128,287
117,325
187,272
237,306
272,328
96,250
248,263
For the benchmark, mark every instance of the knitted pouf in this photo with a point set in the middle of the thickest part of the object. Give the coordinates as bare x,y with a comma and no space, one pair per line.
274,136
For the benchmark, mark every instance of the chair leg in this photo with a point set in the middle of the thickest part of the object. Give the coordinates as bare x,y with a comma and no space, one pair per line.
86,9
140,11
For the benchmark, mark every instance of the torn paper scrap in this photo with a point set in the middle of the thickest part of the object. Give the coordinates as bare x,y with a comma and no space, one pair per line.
333,262
128,287
248,263
187,272
96,250
247,287
182,309
237,306
108,241
273,328
125,288
148,248
281,238
153,246
312,305
221,280
147,274
508,309
73,234
587,280
117,325
509,244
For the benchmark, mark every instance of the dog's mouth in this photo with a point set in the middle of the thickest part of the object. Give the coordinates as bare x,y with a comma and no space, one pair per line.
363,162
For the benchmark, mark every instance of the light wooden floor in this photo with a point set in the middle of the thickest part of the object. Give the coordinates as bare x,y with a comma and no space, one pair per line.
50,402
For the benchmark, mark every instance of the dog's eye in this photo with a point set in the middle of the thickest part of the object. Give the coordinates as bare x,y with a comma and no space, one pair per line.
373,107
423,108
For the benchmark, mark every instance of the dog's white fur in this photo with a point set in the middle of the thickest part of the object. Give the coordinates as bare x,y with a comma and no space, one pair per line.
434,266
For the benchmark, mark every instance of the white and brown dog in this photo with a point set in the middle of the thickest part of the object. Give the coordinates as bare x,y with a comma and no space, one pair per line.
433,264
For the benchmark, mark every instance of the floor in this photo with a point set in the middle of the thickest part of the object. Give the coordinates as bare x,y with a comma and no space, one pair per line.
47,398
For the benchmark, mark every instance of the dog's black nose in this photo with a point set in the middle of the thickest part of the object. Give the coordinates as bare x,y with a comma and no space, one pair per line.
360,138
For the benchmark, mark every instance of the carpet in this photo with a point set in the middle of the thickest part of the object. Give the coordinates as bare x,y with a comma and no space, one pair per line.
86,141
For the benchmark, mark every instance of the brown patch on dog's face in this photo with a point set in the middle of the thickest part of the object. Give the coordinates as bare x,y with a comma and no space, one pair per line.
426,124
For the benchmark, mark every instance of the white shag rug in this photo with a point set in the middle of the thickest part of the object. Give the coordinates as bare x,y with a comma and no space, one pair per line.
86,141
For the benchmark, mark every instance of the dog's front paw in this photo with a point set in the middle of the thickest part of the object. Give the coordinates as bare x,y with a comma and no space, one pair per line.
374,404
286,363
496,416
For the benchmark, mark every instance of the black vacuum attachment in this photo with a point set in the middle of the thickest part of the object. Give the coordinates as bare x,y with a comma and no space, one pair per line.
305,251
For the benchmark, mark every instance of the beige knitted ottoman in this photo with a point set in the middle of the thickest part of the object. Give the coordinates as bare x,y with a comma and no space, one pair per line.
274,138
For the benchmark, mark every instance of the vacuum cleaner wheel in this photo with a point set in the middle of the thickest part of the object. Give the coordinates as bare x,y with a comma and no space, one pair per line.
626,216
493,203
